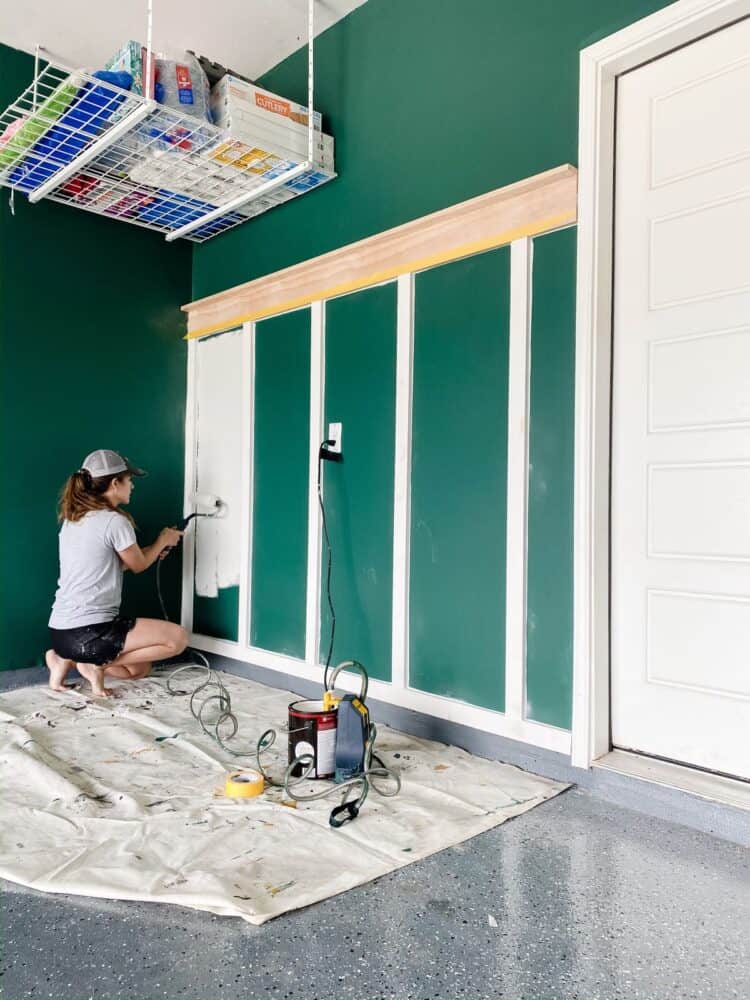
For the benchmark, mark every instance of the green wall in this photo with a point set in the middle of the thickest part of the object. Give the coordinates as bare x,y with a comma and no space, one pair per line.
281,476
430,102
218,616
360,393
549,588
85,363
459,481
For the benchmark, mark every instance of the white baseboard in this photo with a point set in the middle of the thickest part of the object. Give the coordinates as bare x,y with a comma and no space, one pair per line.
523,730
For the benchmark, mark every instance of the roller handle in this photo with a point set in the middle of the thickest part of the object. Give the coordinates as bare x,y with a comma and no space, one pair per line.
181,526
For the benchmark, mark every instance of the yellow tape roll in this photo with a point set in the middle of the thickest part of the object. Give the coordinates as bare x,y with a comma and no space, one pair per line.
244,785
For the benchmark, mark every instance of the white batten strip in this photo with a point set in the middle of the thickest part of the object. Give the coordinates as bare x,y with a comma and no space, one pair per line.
402,482
317,391
449,709
188,542
519,357
247,410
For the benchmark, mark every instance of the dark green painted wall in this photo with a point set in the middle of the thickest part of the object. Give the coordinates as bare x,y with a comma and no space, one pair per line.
218,616
549,626
281,476
459,480
91,356
360,393
430,102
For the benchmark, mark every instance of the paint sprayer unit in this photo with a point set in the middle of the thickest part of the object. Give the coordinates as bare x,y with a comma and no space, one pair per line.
333,738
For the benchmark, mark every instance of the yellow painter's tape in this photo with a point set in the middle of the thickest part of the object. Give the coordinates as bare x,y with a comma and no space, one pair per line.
244,785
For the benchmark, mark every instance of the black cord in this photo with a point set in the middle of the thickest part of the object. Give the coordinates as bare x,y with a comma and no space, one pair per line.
158,591
321,456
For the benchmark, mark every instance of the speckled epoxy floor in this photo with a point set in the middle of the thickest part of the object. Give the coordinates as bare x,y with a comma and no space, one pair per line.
575,899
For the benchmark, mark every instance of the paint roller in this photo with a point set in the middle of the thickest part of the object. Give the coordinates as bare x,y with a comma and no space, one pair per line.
211,507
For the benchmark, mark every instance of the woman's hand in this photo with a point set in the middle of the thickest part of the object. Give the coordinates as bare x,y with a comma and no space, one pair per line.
137,559
169,537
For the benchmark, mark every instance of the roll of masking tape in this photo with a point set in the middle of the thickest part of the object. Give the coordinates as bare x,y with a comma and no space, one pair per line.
244,785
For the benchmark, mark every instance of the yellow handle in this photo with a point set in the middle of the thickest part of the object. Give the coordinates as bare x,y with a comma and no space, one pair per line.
330,701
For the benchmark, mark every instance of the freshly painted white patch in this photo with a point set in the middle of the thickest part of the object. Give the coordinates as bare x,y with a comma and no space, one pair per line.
188,542
218,463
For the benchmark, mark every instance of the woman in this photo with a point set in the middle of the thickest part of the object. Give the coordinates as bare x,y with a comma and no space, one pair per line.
97,543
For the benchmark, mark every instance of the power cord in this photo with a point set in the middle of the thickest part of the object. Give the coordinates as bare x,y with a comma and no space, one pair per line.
323,453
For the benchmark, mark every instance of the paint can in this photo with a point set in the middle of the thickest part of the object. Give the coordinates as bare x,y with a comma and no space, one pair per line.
312,730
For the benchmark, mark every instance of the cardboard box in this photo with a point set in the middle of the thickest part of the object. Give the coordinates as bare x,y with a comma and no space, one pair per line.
278,138
234,94
256,147
244,155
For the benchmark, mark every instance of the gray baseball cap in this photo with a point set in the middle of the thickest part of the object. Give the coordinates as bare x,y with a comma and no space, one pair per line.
109,463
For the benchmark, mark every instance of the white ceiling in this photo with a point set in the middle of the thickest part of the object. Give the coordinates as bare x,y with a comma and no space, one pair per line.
249,36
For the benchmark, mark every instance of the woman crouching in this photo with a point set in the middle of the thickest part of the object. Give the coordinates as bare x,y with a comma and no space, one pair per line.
97,543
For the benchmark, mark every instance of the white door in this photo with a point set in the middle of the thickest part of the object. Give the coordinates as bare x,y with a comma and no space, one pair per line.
680,569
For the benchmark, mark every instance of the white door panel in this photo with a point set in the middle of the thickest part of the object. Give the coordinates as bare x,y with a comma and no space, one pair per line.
681,407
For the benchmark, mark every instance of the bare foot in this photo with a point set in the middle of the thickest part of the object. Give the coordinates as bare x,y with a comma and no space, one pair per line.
58,669
95,676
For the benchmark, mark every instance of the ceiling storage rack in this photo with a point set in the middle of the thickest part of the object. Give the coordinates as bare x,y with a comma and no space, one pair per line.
81,141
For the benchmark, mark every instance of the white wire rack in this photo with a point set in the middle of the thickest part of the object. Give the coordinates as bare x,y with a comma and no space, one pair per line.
81,141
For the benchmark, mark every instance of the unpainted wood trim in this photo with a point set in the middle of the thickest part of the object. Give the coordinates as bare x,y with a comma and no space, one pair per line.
535,205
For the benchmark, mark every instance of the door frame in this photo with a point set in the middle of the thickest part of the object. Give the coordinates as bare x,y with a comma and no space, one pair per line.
600,64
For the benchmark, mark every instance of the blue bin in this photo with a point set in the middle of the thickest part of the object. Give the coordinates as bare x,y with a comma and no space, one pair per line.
82,123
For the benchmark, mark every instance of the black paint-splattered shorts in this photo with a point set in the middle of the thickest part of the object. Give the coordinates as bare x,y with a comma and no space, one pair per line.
98,644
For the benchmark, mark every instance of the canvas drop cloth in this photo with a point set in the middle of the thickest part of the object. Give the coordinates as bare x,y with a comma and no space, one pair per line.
92,804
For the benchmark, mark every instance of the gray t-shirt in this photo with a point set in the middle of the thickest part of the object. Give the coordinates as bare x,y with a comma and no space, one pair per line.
90,585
